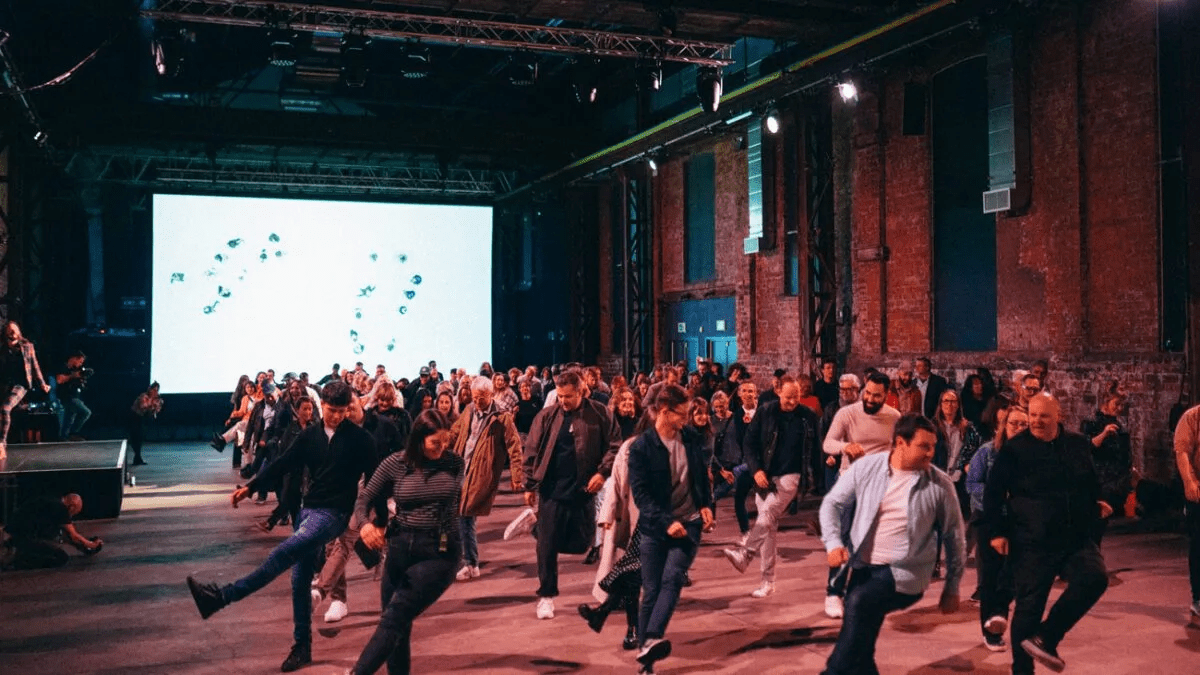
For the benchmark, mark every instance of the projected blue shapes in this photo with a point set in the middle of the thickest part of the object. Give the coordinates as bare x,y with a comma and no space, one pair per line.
410,294
358,312
274,238
391,345
278,254
366,291
416,280
234,243
358,349
374,257
219,258
354,336
209,309
403,309
263,256
177,278
402,258
224,292
210,272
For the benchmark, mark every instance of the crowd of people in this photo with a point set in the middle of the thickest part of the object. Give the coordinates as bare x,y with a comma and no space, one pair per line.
914,475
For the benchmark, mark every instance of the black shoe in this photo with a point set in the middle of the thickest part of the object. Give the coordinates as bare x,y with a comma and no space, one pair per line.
1043,653
593,554
218,443
687,580
300,656
138,461
595,617
655,650
631,641
207,596
265,525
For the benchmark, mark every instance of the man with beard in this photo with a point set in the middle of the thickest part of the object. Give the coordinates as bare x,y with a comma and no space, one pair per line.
858,430
907,395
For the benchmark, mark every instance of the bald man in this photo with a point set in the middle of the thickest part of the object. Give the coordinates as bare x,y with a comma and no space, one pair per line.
35,526
1040,505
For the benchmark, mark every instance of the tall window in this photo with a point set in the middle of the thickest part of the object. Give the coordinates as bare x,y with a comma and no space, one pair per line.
964,237
700,223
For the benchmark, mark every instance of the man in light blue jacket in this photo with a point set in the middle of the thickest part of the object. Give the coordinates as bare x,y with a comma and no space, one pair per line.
899,502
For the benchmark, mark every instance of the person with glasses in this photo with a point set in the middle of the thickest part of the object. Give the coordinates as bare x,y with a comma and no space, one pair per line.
931,386
668,477
779,445
1030,386
994,589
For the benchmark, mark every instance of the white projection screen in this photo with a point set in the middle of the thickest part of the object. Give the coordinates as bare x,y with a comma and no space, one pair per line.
245,284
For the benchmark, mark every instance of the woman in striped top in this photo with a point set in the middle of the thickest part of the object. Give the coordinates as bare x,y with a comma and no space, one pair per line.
423,540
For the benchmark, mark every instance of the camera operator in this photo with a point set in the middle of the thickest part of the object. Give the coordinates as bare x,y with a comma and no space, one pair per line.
72,380
19,372
37,525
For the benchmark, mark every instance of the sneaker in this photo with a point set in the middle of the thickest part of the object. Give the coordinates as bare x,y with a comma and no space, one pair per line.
995,643
207,596
317,597
833,607
1196,608
996,625
467,573
1043,653
260,501
337,611
545,608
300,656
522,524
655,649
738,557
218,443
763,591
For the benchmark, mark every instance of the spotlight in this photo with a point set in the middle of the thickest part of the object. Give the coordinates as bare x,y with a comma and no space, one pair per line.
848,91
283,48
709,88
652,165
167,48
354,60
585,86
522,69
417,63
772,121
649,75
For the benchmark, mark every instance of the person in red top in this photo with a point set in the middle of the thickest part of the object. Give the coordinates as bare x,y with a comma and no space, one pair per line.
807,398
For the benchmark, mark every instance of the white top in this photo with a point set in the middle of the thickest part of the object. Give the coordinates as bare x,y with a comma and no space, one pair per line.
888,541
923,385
852,424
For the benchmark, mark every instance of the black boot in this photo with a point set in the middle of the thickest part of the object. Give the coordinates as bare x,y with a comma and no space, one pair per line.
138,461
300,656
207,596
630,642
631,618
218,443
592,556
595,617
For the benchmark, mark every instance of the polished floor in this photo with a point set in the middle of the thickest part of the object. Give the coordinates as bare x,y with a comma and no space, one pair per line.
127,610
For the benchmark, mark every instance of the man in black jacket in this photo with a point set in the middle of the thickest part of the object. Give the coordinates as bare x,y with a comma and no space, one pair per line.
778,448
931,386
668,477
1040,506
336,453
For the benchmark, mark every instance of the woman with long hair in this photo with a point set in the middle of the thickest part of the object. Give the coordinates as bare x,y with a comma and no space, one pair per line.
626,409
424,545
147,404
236,424
447,406
528,406
994,592
974,399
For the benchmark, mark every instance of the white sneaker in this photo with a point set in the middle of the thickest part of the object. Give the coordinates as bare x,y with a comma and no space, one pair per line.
467,573
833,607
738,557
522,524
317,597
996,625
337,611
545,608
1195,608
767,588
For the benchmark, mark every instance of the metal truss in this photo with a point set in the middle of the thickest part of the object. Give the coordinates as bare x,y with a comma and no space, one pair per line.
822,328
191,172
637,301
442,30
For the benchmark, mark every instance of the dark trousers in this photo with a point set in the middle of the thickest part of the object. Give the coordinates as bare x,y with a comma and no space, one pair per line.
1193,528
1034,570
136,428
995,583
665,561
836,584
742,483
36,554
416,575
554,518
870,596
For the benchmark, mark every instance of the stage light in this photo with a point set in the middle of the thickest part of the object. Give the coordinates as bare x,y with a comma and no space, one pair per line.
283,48
354,60
522,69
848,91
649,75
709,88
586,85
652,165
772,121
167,48
417,62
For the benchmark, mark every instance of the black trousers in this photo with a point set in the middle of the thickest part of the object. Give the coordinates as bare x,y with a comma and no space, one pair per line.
553,522
35,554
137,432
995,583
1034,570
1193,528
870,596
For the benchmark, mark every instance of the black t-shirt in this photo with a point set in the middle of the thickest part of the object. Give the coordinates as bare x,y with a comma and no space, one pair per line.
789,450
39,518
71,388
12,366
526,411
561,481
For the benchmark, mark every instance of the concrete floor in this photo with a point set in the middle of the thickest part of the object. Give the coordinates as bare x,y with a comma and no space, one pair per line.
128,611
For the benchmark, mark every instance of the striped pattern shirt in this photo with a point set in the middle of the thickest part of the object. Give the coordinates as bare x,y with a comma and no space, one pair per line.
426,497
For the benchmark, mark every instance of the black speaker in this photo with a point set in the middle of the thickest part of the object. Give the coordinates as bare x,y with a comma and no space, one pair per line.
915,95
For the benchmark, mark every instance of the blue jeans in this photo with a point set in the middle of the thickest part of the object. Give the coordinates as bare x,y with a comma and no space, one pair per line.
870,596
75,415
470,542
665,560
314,529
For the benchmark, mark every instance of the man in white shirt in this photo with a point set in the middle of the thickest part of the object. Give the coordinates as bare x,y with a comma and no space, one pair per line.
856,431
897,503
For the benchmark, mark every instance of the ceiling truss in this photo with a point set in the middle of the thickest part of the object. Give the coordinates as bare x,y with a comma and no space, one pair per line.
442,30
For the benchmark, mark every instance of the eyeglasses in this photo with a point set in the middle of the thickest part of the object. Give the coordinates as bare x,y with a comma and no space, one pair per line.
854,389
1031,389
949,400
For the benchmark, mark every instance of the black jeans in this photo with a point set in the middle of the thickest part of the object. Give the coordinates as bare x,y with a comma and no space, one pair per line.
995,583
1034,570
137,431
416,575
554,518
870,596
36,554
1193,528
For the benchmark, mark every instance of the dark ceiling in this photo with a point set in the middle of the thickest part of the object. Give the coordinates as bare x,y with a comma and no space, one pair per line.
226,94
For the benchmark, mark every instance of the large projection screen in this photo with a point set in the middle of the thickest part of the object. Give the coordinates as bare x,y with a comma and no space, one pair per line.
243,285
